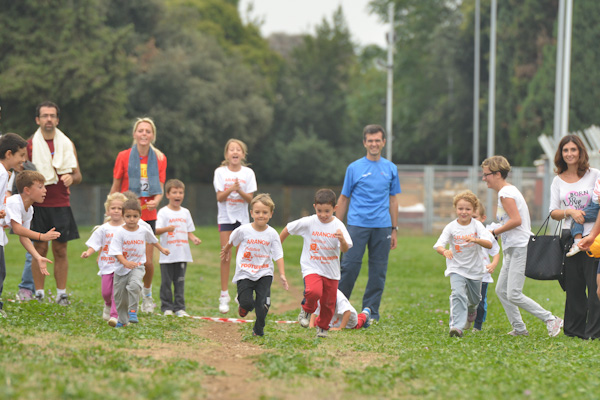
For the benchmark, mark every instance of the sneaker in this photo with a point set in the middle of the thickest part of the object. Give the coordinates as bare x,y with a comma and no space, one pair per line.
133,317
574,250
148,304
224,304
119,325
367,312
25,295
63,300
475,330
554,326
39,297
470,318
455,332
168,313
112,322
106,313
256,334
518,333
304,318
321,333
242,312
2,313
182,313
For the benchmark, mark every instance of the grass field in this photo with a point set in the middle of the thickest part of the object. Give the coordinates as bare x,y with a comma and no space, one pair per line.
51,352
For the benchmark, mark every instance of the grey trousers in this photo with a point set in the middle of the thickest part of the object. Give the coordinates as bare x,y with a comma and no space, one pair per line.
464,298
172,274
127,289
509,289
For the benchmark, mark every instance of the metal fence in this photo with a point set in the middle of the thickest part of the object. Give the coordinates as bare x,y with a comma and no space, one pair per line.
425,201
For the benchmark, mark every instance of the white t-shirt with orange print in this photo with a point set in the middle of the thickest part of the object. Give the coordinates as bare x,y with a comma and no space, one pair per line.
131,245
100,242
321,249
467,256
176,241
234,208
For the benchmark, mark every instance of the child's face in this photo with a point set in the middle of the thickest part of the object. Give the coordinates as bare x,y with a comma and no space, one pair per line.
131,217
261,214
37,192
115,211
464,212
235,153
16,160
479,216
175,197
143,134
324,212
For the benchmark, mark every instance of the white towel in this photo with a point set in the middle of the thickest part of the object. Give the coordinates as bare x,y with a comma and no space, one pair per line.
63,162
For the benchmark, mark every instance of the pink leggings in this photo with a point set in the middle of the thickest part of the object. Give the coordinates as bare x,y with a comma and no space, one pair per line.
107,294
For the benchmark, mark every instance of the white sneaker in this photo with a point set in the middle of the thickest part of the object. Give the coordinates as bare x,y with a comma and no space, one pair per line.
321,333
182,313
168,313
112,322
304,318
224,304
554,326
147,305
574,250
106,313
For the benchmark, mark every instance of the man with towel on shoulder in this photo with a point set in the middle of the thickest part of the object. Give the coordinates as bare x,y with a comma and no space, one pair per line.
55,157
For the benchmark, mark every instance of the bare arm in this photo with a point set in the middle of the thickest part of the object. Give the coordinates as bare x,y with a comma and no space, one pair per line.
281,268
41,261
492,266
127,264
444,252
20,230
587,241
166,252
577,215
342,207
226,252
160,231
284,234
193,238
116,185
344,323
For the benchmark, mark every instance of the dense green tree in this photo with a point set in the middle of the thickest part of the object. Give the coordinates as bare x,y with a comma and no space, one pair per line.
62,51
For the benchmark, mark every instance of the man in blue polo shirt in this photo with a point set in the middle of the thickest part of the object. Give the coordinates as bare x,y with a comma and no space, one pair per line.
369,196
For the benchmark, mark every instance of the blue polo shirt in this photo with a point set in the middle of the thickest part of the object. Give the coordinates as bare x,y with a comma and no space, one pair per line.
369,185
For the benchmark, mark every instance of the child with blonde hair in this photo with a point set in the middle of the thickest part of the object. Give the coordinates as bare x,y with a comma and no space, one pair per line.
254,269
465,237
235,185
100,241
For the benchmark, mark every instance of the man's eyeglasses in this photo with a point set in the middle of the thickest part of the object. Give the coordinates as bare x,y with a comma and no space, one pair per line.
488,174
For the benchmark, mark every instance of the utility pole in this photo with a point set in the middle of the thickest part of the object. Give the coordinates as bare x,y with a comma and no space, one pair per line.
476,77
390,81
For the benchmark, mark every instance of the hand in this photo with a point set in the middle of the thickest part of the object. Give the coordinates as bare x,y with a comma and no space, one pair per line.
491,268
236,186
577,215
50,235
67,179
394,240
470,239
586,242
42,261
284,282
2,213
335,329
131,265
151,205
85,254
448,254
225,254
339,235
196,241
170,228
166,252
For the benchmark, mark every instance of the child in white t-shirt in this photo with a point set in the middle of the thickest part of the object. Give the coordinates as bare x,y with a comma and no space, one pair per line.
490,267
465,238
344,316
324,236
259,246
175,227
100,241
128,246
19,213
235,185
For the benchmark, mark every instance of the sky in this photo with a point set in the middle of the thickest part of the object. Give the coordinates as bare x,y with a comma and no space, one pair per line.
302,16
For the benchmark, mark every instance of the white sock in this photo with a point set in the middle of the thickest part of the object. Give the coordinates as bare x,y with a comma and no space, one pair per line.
147,291
577,240
60,291
40,292
224,293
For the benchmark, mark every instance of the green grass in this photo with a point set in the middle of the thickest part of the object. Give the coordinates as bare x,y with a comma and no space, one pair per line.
48,351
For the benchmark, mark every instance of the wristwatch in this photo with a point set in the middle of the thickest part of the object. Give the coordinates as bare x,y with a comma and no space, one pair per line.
394,228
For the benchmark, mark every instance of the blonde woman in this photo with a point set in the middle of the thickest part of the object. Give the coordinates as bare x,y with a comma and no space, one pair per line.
515,230
142,169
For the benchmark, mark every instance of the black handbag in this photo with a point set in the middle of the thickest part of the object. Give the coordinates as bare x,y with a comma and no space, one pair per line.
546,255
